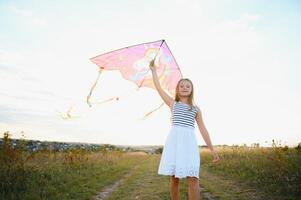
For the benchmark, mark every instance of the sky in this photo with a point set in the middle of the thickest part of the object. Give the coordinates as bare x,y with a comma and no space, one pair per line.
243,57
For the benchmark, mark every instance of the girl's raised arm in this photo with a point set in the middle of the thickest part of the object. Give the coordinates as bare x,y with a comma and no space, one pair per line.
166,98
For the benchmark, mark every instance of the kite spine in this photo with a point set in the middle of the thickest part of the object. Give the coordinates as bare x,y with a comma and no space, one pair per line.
154,59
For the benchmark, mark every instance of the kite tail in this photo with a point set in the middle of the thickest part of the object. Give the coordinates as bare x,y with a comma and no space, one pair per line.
92,88
109,99
147,114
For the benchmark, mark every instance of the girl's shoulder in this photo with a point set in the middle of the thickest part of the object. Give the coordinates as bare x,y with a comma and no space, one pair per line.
197,108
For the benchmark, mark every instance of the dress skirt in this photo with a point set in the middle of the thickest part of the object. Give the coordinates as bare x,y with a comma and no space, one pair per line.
180,155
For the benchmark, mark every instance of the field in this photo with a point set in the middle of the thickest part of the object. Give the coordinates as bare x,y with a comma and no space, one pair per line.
242,173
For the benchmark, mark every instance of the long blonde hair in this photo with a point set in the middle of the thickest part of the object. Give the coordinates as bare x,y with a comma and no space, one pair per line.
190,98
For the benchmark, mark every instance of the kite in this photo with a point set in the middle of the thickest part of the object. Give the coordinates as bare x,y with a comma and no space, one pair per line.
133,64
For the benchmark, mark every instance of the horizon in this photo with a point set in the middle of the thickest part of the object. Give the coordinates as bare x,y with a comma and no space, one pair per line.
204,145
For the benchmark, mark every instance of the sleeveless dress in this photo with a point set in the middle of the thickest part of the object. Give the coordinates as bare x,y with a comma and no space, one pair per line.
180,155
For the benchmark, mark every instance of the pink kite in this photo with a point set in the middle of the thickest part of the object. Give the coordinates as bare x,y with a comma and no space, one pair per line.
133,64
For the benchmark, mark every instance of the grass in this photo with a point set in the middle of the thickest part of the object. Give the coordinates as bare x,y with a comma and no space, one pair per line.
75,174
276,170
242,173
146,184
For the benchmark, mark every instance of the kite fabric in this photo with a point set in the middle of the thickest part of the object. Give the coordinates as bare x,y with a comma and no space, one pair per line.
133,64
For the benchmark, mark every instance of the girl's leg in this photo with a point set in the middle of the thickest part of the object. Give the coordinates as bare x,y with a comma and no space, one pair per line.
174,188
193,188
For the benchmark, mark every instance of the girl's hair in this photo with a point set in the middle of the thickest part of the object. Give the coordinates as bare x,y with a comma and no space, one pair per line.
190,98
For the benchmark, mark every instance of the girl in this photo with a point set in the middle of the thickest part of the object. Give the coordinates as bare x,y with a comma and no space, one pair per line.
180,157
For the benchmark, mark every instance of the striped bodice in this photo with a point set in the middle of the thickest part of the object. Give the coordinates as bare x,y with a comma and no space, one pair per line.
182,116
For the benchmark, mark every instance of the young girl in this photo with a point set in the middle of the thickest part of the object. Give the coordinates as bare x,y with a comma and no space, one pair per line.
180,157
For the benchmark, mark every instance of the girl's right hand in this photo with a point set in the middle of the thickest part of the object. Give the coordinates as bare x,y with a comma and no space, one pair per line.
152,65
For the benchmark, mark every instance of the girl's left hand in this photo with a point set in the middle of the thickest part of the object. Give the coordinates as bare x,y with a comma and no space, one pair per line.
215,157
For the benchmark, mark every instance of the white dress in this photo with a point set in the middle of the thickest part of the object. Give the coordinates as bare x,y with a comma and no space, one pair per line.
181,156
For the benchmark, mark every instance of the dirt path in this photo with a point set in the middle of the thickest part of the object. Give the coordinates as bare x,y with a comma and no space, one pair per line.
106,192
205,194
143,182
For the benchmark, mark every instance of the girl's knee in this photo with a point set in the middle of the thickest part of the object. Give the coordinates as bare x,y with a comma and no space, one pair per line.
192,180
174,179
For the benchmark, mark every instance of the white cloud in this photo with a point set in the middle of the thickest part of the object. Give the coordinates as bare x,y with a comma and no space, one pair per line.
247,18
20,11
27,16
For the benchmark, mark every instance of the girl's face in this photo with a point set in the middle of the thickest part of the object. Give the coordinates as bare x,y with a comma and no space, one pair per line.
185,88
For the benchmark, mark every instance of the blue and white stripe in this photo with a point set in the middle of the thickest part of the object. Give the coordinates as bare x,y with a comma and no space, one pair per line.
182,116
